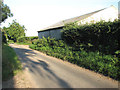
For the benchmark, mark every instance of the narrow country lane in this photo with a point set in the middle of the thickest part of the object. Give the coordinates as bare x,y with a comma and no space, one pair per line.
49,72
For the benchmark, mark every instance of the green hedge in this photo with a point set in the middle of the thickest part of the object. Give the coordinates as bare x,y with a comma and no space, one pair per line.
4,37
96,61
102,36
26,39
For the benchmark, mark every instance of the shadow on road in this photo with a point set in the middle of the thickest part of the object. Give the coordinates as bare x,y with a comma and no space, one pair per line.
39,67
8,84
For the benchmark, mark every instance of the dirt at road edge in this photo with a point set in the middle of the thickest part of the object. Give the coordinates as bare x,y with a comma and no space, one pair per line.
20,80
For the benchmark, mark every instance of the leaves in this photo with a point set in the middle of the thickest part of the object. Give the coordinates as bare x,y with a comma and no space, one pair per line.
5,11
24,39
14,31
91,60
102,36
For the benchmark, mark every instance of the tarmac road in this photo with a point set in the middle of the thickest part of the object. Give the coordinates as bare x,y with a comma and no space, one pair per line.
49,72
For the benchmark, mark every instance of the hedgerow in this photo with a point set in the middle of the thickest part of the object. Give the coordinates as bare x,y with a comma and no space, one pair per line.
102,36
26,39
105,64
93,46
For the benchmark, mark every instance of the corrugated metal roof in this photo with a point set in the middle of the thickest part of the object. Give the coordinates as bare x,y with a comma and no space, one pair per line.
63,22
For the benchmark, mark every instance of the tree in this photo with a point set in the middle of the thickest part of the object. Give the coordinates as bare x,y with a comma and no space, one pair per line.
3,36
4,12
14,31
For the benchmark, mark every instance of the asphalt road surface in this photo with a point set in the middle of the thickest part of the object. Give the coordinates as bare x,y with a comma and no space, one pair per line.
49,72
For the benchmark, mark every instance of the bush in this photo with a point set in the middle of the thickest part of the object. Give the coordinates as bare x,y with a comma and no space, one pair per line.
10,41
33,46
4,39
97,61
32,38
26,39
102,36
23,39
93,46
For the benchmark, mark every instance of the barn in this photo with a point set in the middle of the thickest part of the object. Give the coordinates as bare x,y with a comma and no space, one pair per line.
54,31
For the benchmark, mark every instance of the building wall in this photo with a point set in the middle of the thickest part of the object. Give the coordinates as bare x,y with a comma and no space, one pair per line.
43,34
109,14
55,33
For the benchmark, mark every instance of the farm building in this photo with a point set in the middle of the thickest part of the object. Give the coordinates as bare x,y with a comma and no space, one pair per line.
54,31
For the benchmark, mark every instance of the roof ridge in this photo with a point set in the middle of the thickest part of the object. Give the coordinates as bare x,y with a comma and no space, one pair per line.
87,13
82,15
77,18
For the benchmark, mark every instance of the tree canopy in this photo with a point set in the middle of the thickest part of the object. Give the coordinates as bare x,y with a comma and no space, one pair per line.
14,31
5,12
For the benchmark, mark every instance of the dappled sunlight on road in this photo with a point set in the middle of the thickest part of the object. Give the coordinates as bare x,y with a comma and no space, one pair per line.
47,72
40,69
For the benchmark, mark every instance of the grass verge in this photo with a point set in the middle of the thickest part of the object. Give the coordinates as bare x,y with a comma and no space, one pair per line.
10,63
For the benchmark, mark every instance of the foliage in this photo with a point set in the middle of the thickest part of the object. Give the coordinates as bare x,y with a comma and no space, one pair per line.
4,14
14,31
4,40
102,36
23,39
28,40
33,38
4,36
5,11
10,63
10,41
97,61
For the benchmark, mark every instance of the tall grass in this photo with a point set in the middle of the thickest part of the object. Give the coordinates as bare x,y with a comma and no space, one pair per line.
10,62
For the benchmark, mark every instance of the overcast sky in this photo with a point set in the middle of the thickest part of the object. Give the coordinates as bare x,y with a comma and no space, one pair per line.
38,14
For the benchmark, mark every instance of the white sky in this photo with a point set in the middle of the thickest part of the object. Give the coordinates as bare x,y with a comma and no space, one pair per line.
38,14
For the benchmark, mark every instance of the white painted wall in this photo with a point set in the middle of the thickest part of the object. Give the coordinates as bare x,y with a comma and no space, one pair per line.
108,14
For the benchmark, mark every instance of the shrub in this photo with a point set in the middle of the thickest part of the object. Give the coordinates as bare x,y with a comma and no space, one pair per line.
26,39
32,38
23,39
87,53
102,36
4,37
10,41
33,46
